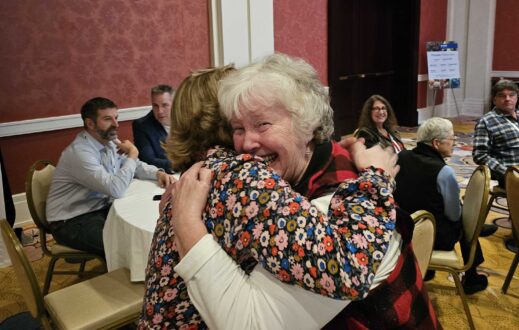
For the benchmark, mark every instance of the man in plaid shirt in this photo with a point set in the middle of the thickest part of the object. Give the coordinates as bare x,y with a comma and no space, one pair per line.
496,138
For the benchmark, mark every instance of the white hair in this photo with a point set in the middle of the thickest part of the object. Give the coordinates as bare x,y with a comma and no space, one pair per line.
282,81
434,128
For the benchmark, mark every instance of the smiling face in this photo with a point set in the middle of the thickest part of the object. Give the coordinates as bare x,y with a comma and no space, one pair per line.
378,113
161,106
269,133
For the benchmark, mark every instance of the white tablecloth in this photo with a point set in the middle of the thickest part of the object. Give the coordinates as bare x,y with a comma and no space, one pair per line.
129,228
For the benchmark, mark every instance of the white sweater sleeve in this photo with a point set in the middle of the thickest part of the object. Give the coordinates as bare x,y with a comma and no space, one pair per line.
227,298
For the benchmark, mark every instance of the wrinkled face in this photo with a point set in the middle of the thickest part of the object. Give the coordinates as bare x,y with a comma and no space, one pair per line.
506,100
378,113
269,133
104,129
161,106
445,146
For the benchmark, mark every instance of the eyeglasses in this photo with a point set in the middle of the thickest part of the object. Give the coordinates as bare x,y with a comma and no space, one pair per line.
379,109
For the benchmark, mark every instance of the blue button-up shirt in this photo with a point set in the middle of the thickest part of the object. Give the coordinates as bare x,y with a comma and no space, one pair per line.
89,175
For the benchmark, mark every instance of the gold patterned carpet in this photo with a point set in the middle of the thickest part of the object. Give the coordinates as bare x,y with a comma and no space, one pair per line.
491,309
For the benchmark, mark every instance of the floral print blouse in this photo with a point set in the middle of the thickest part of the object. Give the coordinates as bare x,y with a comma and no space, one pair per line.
257,218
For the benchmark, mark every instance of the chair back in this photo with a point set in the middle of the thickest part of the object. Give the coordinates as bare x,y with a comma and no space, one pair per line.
37,184
24,272
474,206
423,238
512,198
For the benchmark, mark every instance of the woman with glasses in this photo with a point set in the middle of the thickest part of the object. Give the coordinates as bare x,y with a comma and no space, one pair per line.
377,124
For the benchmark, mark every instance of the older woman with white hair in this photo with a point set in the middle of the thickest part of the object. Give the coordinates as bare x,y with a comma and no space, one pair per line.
279,112
426,182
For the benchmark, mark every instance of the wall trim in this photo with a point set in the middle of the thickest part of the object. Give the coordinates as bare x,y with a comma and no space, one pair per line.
38,125
507,74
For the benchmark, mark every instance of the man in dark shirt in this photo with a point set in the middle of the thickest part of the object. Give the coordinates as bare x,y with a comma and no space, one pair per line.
151,130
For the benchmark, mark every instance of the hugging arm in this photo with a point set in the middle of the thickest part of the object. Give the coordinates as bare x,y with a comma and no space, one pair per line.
255,217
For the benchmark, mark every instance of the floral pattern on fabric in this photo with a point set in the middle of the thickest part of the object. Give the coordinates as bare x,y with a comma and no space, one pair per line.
256,217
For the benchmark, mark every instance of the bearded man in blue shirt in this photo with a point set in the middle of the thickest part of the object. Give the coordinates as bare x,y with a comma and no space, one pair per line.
92,171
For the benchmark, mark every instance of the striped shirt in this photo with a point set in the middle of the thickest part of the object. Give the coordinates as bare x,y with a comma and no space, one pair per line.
496,141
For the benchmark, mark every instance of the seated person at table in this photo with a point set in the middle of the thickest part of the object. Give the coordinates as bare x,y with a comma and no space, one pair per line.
496,136
255,216
150,131
93,170
377,124
426,182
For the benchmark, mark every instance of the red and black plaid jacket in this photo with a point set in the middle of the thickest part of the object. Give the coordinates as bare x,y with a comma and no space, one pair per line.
401,301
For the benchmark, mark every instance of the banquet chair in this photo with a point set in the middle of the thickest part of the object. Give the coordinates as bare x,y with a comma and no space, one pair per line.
107,301
473,216
37,184
512,187
423,238
496,192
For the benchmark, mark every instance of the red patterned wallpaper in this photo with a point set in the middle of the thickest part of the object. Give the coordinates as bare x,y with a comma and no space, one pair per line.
506,52
301,29
56,54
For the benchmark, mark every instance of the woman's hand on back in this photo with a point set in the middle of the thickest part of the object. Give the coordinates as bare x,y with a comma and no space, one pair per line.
376,156
189,197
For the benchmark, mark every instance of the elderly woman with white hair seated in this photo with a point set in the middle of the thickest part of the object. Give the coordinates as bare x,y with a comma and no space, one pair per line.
426,182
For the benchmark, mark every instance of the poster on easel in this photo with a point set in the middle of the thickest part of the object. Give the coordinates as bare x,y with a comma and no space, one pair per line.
443,64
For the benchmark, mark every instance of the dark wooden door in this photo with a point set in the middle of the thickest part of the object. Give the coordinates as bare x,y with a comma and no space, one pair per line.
372,49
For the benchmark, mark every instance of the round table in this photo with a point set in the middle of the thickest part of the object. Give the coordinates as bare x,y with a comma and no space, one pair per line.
129,228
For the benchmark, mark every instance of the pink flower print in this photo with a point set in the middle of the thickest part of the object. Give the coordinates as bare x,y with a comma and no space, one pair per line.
257,230
327,283
321,249
272,205
282,240
231,200
165,270
297,271
157,319
260,184
213,213
360,241
371,221
305,204
285,211
226,178
252,210
170,294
